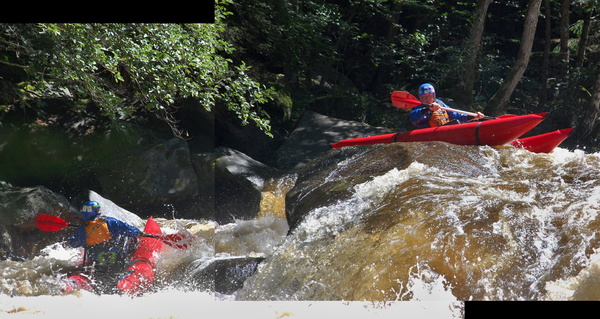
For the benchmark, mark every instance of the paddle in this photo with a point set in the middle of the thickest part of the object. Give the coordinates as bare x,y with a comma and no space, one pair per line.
405,100
53,223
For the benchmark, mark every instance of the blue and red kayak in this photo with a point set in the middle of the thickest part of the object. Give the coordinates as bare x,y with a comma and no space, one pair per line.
499,131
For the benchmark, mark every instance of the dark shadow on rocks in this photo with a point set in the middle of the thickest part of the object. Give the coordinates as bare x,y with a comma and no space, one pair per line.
314,135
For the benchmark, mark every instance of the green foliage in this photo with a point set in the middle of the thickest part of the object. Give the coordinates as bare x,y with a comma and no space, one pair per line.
124,67
128,68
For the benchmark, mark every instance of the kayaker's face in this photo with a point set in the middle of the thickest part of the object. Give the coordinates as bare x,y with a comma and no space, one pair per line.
428,98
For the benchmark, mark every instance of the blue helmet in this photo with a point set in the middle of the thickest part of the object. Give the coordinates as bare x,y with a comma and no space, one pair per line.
426,88
90,209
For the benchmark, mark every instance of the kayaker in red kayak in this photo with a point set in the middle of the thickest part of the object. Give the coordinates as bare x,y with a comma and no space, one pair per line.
108,243
429,114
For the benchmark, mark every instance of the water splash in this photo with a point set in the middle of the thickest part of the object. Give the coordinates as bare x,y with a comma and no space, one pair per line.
524,230
42,275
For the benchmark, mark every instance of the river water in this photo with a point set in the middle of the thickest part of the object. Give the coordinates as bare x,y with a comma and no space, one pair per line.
417,241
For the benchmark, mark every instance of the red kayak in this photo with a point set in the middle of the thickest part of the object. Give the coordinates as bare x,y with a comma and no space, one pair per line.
139,275
78,281
499,131
543,143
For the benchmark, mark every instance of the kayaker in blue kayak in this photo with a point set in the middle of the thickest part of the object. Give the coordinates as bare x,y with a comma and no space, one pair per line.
108,242
429,114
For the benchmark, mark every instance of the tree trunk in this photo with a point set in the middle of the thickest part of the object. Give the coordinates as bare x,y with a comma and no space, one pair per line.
500,99
472,50
588,122
585,33
564,39
546,59
342,41
382,72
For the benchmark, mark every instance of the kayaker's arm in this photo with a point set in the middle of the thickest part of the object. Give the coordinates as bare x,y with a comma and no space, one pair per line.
118,227
78,238
474,116
419,116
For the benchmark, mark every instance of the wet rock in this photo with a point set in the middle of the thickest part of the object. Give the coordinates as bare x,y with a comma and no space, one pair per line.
231,273
313,136
323,182
233,180
222,275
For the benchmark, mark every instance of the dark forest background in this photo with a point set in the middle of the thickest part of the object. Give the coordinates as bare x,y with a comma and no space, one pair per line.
343,58
265,62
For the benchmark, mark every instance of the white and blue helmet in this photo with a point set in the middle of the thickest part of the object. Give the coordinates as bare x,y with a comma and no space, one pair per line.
426,88
90,209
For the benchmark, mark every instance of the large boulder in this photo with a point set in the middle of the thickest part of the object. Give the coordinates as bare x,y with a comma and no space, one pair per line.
314,135
230,183
144,182
221,185
322,183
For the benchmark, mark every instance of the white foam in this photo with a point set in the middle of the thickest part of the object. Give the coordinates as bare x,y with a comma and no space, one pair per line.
183,305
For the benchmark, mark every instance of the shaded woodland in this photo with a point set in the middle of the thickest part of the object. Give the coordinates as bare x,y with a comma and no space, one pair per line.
267,61
344,58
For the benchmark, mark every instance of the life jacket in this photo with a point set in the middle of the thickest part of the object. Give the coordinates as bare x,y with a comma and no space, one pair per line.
96,231
438,118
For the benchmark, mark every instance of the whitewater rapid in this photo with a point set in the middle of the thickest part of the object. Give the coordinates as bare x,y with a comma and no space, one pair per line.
417,239
31,289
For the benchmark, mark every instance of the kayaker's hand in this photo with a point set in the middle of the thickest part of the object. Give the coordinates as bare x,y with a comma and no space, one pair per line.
434,106
479,116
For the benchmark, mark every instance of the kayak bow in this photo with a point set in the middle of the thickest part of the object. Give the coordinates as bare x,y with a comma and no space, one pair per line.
139,276
543,143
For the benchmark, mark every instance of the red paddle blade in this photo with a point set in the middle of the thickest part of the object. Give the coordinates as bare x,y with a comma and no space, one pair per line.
404,100
178,240
50,223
